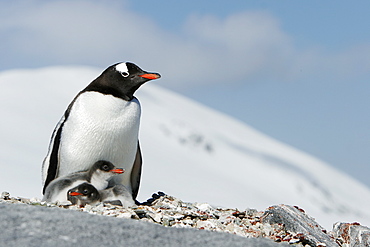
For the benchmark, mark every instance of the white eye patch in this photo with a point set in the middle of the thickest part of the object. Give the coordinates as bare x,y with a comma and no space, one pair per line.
122,68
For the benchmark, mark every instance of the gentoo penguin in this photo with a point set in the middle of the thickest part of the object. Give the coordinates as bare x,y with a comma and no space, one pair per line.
101,123
98,175
117,193
83,194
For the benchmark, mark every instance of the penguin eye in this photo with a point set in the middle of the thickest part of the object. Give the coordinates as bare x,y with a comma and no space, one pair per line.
105,168
125,74
85,192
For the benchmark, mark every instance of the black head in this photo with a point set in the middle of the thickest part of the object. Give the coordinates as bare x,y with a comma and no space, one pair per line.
105,166
121,80
83,194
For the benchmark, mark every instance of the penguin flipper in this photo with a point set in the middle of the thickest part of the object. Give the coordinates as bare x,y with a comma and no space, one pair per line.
51,161
136,172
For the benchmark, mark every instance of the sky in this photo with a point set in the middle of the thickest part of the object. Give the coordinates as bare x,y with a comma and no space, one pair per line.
298,71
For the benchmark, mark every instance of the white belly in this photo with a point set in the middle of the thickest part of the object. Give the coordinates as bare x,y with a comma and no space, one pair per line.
100,127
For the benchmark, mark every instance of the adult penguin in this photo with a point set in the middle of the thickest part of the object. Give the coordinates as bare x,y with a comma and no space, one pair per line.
101,123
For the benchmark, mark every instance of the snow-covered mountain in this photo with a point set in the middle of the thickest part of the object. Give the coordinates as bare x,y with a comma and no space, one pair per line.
190,151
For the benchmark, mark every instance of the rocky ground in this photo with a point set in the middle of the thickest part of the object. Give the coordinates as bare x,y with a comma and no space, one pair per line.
280,223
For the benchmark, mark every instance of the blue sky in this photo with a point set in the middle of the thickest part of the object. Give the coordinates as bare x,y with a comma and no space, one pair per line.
298,71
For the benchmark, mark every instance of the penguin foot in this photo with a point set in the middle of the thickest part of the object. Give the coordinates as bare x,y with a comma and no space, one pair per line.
154,197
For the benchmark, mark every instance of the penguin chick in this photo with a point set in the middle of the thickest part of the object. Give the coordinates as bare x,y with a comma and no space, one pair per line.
117,193
83,194
98,175
101,172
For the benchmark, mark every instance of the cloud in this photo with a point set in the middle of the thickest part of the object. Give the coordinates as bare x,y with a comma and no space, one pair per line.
242,45
246,46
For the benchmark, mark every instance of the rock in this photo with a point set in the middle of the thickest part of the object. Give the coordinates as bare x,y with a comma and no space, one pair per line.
203,206
352,234
282,223
5,195
299,224
38,226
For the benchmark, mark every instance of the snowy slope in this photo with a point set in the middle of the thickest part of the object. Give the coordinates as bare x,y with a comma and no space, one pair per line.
190,151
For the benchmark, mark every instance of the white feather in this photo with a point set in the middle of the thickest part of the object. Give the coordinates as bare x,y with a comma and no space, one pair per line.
122,67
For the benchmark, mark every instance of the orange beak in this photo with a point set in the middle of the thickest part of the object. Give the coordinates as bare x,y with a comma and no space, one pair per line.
75,193
118,170
151,76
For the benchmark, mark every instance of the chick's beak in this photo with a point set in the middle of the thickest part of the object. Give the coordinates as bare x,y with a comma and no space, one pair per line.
75,193
118,170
